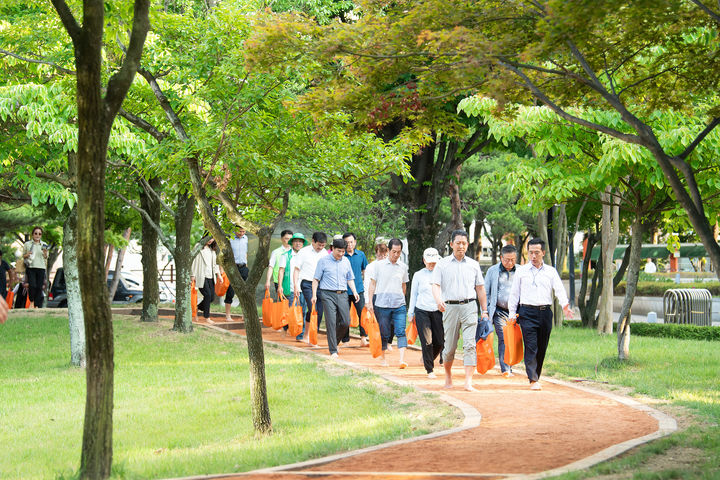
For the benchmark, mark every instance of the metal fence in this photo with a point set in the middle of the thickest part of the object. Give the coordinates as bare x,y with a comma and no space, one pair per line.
688,306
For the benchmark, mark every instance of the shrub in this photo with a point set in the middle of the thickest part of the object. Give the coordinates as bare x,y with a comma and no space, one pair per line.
657,289
666,330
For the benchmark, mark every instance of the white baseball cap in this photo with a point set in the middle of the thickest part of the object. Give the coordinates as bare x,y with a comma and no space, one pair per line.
431,255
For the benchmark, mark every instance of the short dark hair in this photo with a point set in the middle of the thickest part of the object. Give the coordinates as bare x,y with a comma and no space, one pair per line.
285,232
393,242
508,249
537,241
319,237
348,235
339,243
458,233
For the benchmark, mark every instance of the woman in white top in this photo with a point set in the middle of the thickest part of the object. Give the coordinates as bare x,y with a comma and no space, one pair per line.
35,254
423,310
205,271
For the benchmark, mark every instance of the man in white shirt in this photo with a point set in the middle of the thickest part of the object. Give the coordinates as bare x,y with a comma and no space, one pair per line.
388,286
239,246
531,302
458,285
304,273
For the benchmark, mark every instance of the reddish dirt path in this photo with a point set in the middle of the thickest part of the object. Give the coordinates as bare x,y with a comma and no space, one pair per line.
522,431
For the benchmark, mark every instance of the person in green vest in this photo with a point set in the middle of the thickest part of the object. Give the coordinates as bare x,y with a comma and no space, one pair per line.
285,283
274,265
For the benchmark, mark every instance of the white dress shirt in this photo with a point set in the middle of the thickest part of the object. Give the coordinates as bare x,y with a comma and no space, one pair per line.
240,248
535,286
306,261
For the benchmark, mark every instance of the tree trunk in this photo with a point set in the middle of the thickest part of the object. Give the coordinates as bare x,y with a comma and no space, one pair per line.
246,296
183,262
118,267
610,232
456,219
588,303
560,231
74,297
108,259
624,336
542,226
151,281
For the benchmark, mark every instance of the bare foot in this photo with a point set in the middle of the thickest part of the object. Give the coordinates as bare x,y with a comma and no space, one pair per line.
209,322
447,386
470,388
384,363
228,319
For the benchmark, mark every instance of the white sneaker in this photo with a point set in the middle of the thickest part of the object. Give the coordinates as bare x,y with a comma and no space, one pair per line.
389,349
432,375
364,341
334,355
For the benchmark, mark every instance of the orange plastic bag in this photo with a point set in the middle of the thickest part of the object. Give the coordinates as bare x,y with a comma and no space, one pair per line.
279,313
373,331
295,319
222,287
9,298
313,327
27,301
364,316
485,354
411,333
193,298
267,309
354,320
512,334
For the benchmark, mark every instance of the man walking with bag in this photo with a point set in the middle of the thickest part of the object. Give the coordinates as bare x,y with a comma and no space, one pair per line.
498,281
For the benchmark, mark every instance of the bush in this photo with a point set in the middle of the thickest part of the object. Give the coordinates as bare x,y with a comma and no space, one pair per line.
666,330
657,289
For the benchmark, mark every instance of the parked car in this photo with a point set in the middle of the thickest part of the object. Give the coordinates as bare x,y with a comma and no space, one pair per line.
128,290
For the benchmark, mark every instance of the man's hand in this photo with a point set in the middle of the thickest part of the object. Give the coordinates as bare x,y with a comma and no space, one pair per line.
441,306
279,291
314,299
568,312
356,296
369,306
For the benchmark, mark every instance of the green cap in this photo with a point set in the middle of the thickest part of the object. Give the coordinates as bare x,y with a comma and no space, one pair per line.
301,237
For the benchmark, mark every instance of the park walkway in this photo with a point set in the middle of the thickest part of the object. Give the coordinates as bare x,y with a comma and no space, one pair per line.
509,431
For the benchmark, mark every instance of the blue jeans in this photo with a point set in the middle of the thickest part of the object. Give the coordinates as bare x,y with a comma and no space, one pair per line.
306,287
395,317
499,320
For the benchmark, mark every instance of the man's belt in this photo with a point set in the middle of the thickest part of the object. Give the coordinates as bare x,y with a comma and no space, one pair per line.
333,291
459,302
502,309
240,265
536,307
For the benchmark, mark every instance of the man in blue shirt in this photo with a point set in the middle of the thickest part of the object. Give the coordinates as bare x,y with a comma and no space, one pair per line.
333,276
239,246
358,262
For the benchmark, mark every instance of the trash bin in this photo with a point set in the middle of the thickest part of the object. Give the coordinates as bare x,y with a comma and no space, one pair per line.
688,306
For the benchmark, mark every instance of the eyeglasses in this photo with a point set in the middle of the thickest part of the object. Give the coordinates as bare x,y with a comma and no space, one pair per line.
38,233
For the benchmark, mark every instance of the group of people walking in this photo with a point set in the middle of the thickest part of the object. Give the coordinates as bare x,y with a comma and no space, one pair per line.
448,297
27,280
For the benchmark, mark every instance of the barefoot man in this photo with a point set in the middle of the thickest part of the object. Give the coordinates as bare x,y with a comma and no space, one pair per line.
457,287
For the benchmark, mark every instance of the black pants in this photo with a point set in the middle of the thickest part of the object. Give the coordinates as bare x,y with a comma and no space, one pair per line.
244,272
36,279
430,330
207,290
358,309
337,316
536,326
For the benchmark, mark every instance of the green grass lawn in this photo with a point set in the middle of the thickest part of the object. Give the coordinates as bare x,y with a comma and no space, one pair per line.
182,404
682,374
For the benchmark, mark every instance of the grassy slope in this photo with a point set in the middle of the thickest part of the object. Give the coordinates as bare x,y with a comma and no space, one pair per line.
182,404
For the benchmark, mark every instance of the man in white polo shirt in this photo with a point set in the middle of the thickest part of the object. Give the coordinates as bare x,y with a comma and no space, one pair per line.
457,287
304,273
531,302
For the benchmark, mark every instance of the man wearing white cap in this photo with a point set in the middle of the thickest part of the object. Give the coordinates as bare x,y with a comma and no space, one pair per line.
458,285
424,311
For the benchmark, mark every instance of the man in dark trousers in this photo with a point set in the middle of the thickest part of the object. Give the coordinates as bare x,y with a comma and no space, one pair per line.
531,299
498,280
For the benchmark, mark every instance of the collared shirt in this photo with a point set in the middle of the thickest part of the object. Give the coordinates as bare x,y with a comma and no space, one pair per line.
307,260
358,262
333,274
389,279
275,264
240,247
535,286
421,295
505,278
458,279
368,273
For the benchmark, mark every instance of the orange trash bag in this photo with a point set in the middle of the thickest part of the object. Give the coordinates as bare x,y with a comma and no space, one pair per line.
295,319
313,327
373,331
411,333
512,334
354,320
267,309
9,298
221,288
193,299
485,354
364,316
280,311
